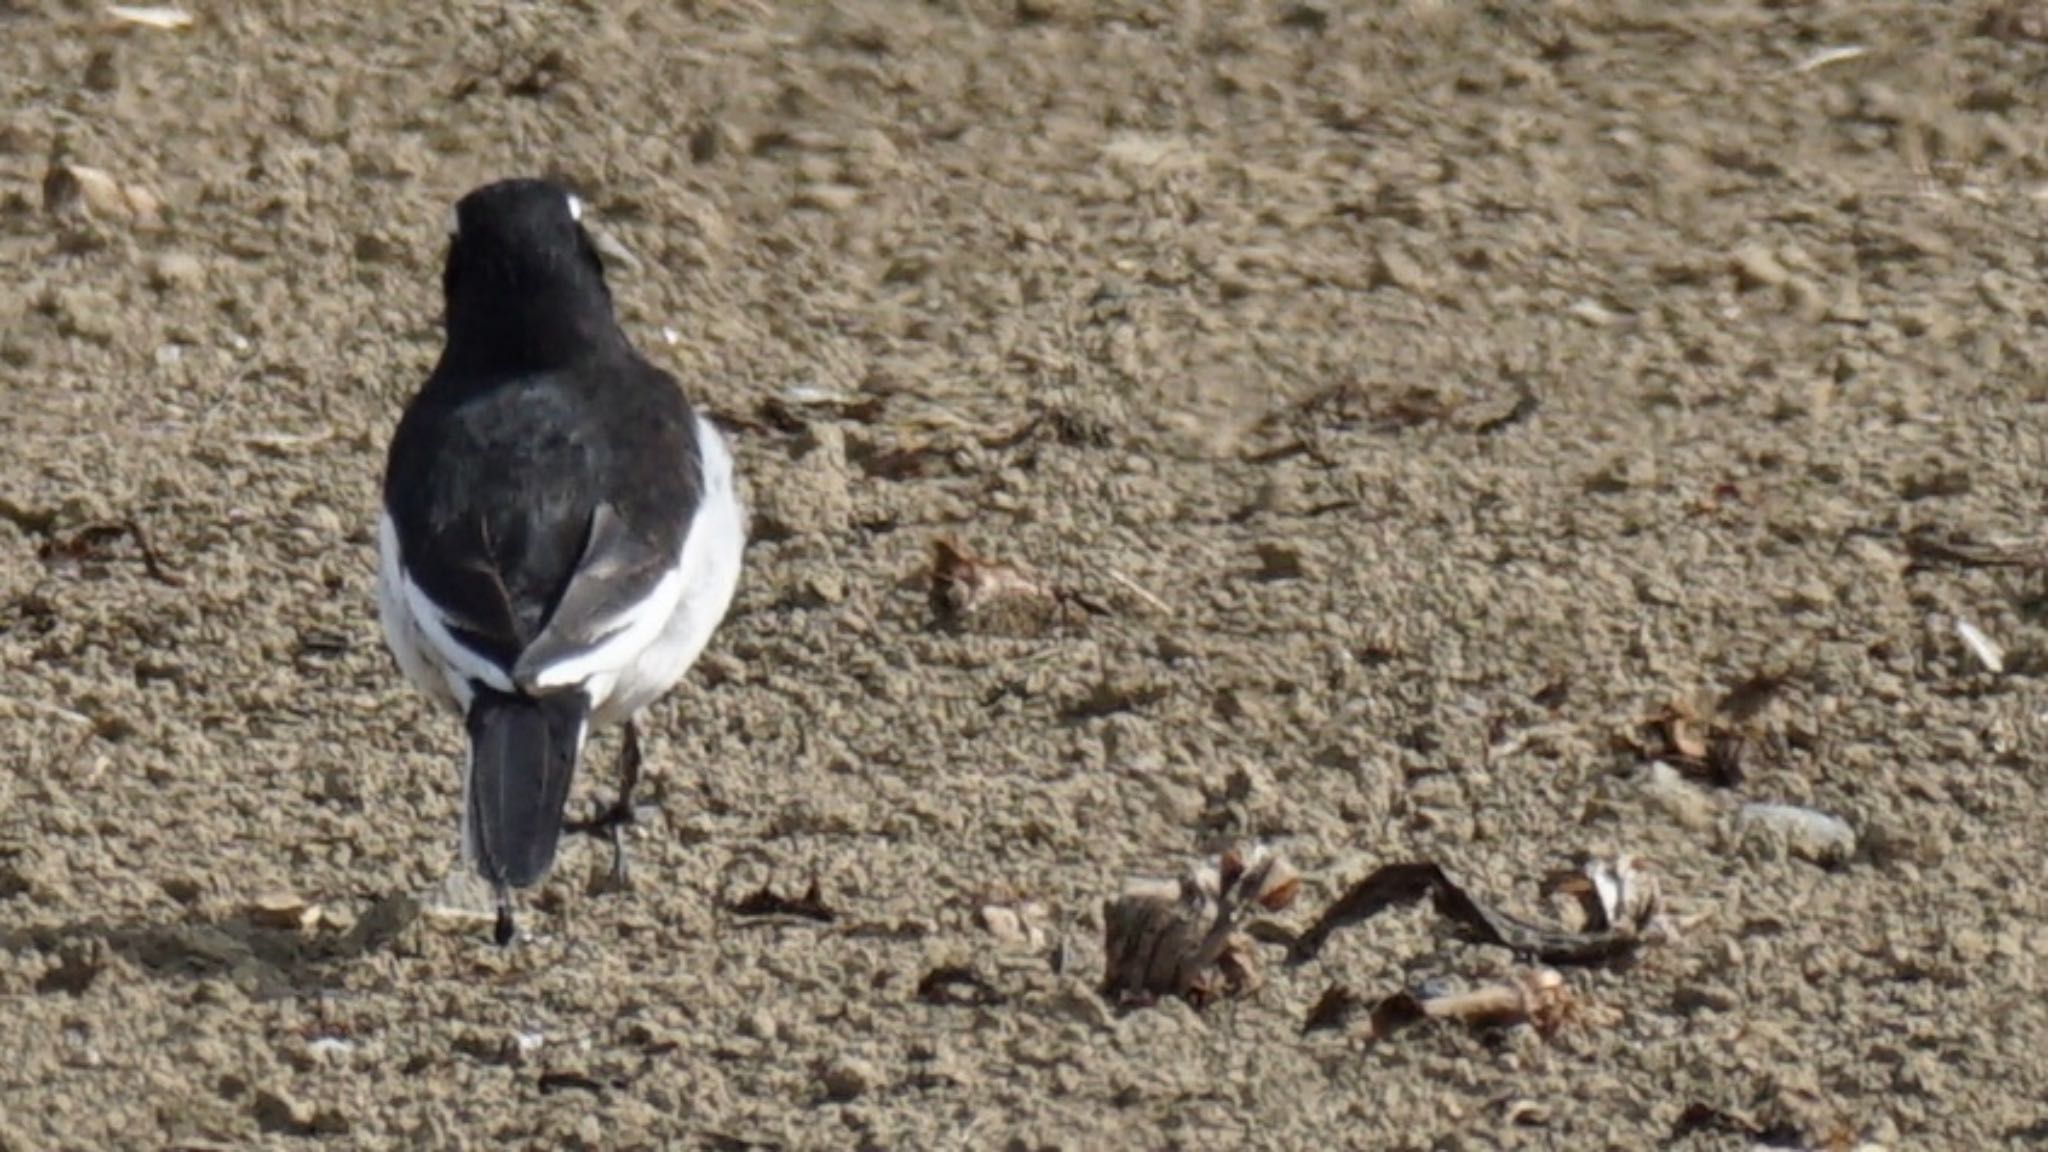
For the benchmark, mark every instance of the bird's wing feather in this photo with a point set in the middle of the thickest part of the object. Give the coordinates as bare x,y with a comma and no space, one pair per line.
618,600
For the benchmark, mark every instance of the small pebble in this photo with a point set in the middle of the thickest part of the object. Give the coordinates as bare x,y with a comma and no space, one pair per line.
848,1077
1808,835
176,271
1757,267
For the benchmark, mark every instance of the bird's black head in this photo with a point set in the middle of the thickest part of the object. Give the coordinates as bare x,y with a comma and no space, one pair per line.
524,285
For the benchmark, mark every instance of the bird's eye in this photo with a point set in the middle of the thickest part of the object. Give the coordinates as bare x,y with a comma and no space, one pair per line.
575,207
454,223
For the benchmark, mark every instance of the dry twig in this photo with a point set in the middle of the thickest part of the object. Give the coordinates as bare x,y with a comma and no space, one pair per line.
87,543
1537,997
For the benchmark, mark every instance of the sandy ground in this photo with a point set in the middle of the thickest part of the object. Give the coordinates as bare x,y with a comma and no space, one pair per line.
1460,383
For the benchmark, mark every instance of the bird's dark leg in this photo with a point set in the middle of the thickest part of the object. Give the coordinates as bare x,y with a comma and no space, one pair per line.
611,823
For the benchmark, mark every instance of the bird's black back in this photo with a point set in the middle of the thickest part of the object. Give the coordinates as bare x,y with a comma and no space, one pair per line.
538,413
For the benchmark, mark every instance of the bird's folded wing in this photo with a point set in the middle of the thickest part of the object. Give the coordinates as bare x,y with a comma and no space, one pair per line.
462,644
621,596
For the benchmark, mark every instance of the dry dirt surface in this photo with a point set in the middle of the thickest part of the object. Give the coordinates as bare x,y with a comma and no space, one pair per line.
1412,400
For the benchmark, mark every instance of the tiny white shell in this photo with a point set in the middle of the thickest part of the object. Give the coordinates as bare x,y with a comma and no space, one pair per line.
575,207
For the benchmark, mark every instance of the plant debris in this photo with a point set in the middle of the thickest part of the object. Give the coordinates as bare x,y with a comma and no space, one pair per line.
1186,937
151,16
1928,546
1630,912
964,585
1713,748
1537,997
1614,893
1983,647
809,906
957,986
90,544
80,190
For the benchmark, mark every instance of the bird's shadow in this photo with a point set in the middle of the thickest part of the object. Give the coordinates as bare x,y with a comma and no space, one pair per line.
266,960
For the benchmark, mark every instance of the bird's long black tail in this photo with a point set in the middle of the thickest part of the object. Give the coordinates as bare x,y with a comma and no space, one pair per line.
522,757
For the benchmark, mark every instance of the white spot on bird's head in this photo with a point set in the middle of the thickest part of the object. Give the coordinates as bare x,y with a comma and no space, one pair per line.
575,207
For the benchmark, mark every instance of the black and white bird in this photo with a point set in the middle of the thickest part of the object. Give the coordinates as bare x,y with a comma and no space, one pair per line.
561,532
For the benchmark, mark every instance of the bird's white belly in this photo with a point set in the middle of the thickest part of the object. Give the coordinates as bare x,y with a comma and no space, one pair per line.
416,655
710,565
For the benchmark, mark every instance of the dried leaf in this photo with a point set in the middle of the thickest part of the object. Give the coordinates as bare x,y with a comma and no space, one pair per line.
1617,894
1186,937
1408,883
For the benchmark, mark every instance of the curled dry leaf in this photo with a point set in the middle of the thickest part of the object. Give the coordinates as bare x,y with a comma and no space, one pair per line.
1186,937
1404,884
1618,894
92,542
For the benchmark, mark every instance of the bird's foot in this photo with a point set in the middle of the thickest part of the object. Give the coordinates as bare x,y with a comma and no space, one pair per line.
612,824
